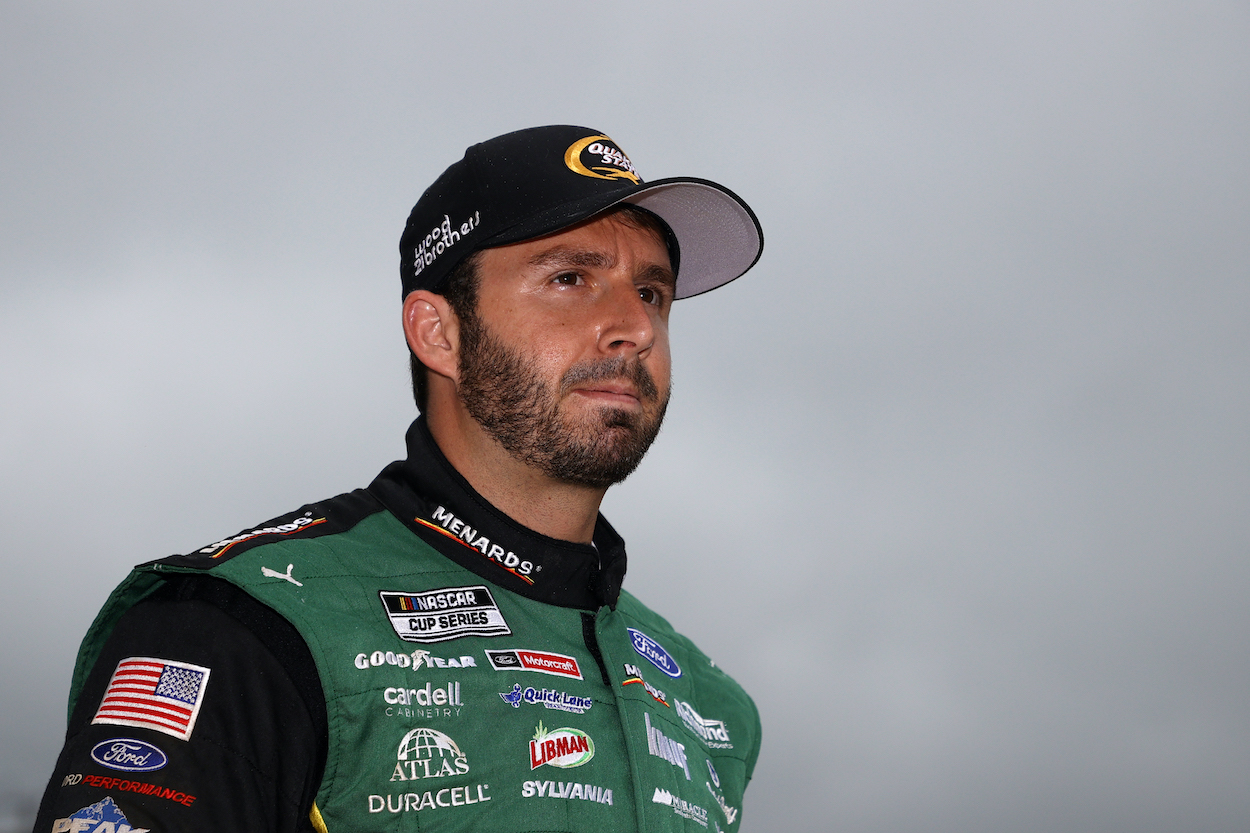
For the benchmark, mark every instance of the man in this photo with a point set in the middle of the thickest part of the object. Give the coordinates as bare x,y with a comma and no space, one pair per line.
449,648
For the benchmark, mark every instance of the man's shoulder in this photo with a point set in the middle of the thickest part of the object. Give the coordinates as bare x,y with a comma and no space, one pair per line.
656,639
317,521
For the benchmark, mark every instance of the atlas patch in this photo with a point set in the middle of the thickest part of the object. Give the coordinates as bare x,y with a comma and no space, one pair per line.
561,748
158,694
443,614
544,662
102,817
654,652
128,755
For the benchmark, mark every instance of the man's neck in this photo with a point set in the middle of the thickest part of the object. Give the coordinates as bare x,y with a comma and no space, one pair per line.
555,508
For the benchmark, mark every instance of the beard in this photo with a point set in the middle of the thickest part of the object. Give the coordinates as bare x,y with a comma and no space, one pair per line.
517,407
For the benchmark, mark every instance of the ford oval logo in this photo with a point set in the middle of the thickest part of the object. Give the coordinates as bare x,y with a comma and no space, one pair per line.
654,653
128,755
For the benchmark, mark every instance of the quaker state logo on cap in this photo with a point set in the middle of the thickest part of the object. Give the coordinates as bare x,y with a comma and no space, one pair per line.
599,157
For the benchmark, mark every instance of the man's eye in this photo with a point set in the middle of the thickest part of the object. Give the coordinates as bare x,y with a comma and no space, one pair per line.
568,279
650,296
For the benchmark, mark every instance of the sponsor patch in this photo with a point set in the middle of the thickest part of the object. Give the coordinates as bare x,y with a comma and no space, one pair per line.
662,746
561,748
440,238
635,678
424,702
428,753
102,817
462,533
414,660
446,797
544,662
422,754
128,755
548,697
654,652
220,548
570,790
443,614
731,813
126,785
157,694
681,806
711,732
600,158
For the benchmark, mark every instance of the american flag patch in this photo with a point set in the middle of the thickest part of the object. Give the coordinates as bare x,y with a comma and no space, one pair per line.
155,694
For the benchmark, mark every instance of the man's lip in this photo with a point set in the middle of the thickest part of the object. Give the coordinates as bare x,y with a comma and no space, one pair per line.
609,391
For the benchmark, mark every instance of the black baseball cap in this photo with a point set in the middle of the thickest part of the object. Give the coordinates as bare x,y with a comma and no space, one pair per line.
537,181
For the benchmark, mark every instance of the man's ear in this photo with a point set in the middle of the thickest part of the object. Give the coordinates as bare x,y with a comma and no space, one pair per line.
433,331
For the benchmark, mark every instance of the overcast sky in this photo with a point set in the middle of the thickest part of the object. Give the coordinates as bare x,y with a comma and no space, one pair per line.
954,482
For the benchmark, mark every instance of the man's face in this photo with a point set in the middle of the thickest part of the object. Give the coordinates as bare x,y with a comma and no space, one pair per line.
566,362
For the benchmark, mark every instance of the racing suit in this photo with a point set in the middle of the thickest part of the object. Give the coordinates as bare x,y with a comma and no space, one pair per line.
403,656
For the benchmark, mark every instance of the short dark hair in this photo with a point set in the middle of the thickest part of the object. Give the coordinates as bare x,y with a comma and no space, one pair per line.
463,281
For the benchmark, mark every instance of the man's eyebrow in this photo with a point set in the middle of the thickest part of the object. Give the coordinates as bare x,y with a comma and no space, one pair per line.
659,274
565,256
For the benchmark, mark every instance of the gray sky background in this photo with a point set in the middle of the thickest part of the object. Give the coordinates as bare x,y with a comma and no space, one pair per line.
955,481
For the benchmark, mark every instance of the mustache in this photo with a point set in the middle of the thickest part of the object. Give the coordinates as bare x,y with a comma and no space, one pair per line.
608,370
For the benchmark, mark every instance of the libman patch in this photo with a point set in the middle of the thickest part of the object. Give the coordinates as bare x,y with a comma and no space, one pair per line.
562,748
443,614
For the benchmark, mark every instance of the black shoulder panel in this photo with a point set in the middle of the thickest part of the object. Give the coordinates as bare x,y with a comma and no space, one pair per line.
314,520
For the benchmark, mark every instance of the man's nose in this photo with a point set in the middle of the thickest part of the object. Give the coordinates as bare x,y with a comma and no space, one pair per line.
627,322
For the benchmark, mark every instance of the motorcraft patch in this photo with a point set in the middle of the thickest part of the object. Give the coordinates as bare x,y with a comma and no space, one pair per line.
654,652
544,662
443,614
158,694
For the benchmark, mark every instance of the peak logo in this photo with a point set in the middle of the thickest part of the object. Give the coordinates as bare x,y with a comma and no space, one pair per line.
600,158
460,532
102,817
562,748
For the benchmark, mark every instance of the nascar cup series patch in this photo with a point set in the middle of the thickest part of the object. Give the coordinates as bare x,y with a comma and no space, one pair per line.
443,614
